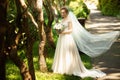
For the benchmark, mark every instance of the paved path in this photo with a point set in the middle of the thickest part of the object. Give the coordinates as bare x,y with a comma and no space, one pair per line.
109,62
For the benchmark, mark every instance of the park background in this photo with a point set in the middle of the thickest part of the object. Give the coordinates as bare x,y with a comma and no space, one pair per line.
28,39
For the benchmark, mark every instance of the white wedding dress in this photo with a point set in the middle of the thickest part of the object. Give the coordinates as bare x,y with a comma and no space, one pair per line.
67,58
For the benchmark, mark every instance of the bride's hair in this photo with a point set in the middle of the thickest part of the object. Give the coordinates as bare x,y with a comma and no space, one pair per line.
64,8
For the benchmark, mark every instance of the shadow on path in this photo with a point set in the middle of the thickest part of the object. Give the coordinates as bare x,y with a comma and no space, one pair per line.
97,23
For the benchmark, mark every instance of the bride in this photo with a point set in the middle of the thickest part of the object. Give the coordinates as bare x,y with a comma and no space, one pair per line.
72,36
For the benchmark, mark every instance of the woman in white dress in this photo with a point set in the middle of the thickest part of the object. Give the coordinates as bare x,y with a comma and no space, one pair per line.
73,37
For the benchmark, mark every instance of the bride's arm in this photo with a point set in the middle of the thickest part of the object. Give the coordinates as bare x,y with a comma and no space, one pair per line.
69,28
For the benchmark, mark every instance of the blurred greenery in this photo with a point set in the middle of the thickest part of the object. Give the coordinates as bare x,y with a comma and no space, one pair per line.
79,8
14,74
12,71
110,7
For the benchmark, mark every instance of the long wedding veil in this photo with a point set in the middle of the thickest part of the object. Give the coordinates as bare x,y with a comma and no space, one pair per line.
91,44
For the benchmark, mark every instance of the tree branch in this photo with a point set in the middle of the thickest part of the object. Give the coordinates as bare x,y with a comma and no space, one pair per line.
24,6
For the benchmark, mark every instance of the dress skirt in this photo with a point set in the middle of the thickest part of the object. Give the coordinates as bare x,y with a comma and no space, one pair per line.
67,59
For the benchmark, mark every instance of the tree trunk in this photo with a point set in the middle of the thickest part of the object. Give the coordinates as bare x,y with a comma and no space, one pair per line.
3,27
19,63
51,15
29,46
2,58
12,40
42,61
49,36
29,41
29,54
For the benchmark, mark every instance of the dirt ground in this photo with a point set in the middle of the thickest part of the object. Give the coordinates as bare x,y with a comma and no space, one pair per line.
110,61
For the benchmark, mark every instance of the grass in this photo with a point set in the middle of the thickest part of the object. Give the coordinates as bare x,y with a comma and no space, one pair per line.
12,72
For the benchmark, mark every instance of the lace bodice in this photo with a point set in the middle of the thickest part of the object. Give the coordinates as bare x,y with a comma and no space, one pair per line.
65,23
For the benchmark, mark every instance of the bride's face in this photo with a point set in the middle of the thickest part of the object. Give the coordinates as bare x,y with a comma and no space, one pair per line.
63,13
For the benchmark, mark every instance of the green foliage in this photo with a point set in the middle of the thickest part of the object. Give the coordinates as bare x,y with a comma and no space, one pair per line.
12,11
86,60
79,8
109,7
14,74
12,71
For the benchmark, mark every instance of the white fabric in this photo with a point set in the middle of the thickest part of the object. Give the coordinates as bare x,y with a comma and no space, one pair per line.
67,59
91,44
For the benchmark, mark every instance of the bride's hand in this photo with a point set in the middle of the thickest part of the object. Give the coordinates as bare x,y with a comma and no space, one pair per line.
65,32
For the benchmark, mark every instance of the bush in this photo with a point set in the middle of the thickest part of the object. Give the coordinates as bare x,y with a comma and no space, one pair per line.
79,8
109,7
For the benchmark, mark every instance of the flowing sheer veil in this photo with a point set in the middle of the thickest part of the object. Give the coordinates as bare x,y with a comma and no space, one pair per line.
91,44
